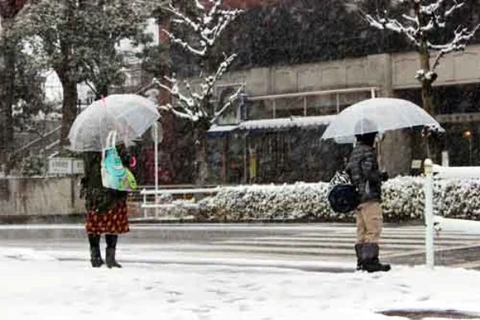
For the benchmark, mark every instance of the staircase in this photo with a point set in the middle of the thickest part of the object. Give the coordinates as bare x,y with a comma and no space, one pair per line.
48,144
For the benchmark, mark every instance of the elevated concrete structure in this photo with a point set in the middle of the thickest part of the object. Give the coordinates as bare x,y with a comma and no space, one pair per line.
387,72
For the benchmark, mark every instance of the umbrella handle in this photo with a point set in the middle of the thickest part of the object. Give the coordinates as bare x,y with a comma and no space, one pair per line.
113,138
110,142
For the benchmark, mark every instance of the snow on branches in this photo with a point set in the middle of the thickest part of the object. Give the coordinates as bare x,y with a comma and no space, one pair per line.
194,105
203,30
207,26
424,21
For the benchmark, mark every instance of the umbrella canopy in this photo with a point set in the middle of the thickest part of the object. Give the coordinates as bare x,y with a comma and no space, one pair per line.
378,115
129,114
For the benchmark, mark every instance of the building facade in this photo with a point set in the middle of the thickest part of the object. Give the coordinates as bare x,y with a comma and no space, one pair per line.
325,88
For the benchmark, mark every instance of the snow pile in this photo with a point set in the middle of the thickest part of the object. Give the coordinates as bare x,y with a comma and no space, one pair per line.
403,200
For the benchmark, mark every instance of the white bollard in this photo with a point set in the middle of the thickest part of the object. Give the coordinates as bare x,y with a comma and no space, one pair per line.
144,203
429,227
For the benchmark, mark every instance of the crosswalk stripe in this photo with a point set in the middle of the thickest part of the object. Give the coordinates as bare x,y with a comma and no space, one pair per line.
352,239
467,265
396,235
438,249
337,243
298,244
273,250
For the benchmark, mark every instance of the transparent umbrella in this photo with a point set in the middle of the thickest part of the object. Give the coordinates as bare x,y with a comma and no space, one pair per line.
129,114
378,115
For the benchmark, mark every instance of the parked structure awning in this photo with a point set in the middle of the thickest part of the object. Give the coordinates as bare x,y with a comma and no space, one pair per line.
280,123
283,123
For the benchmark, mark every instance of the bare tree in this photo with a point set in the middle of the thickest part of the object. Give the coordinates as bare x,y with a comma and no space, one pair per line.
428,26
203,26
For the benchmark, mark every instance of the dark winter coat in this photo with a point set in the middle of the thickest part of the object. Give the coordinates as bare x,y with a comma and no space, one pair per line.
363,169
98,198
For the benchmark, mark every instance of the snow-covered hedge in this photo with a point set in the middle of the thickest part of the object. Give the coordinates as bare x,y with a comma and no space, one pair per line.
459,198
272,202
403,200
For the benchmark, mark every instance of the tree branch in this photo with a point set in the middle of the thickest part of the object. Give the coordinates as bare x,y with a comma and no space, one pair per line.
211,23
394,25
459,42
189,108
231,99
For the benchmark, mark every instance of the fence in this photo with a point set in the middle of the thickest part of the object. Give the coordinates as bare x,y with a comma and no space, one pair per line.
432,172
151,197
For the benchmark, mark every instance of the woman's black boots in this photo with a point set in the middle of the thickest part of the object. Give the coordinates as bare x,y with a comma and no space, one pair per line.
111,240
95,254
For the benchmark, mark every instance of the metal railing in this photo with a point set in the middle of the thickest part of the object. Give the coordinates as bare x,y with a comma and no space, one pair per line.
165,192
50,139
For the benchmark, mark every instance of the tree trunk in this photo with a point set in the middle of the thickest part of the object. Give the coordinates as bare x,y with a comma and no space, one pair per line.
7,97
69,106
425,81
201,166
67,72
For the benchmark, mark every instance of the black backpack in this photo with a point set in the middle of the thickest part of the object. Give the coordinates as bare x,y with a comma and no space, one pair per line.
342,194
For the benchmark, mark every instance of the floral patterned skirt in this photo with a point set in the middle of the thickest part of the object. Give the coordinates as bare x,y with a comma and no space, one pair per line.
114,221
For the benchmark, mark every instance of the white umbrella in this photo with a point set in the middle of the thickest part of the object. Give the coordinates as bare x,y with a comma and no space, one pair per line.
129,114
378,115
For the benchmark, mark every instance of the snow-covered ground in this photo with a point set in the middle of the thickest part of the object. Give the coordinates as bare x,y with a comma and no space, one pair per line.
37,285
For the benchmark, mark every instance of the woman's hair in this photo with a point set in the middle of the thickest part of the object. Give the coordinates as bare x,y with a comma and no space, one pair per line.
367,138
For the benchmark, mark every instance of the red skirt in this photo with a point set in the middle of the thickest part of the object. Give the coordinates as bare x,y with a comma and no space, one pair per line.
114,221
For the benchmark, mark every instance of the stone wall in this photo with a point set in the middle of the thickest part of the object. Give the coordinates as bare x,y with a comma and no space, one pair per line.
39,197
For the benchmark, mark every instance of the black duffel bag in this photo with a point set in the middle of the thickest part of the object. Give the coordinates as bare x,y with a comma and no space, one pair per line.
342,196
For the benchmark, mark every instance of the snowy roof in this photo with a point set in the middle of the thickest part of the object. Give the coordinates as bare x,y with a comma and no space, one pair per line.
279,123
286,122
222,128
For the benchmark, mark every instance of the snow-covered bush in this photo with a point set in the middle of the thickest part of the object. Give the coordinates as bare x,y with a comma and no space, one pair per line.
33,165
272,202
403,200
459,198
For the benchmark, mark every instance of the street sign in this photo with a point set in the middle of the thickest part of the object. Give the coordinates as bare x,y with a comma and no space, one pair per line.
65,166
78,167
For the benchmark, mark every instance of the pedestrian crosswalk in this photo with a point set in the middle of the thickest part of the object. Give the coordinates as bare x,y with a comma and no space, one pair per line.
399,244
252,244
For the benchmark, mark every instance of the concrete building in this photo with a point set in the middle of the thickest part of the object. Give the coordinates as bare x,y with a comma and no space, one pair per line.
319,89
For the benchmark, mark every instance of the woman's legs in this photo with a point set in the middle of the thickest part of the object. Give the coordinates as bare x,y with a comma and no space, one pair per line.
111,240
95,254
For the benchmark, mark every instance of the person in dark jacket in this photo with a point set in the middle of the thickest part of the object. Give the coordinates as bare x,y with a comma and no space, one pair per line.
366,177
106,210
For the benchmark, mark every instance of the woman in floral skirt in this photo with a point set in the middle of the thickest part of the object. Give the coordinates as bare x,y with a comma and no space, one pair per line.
106,210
